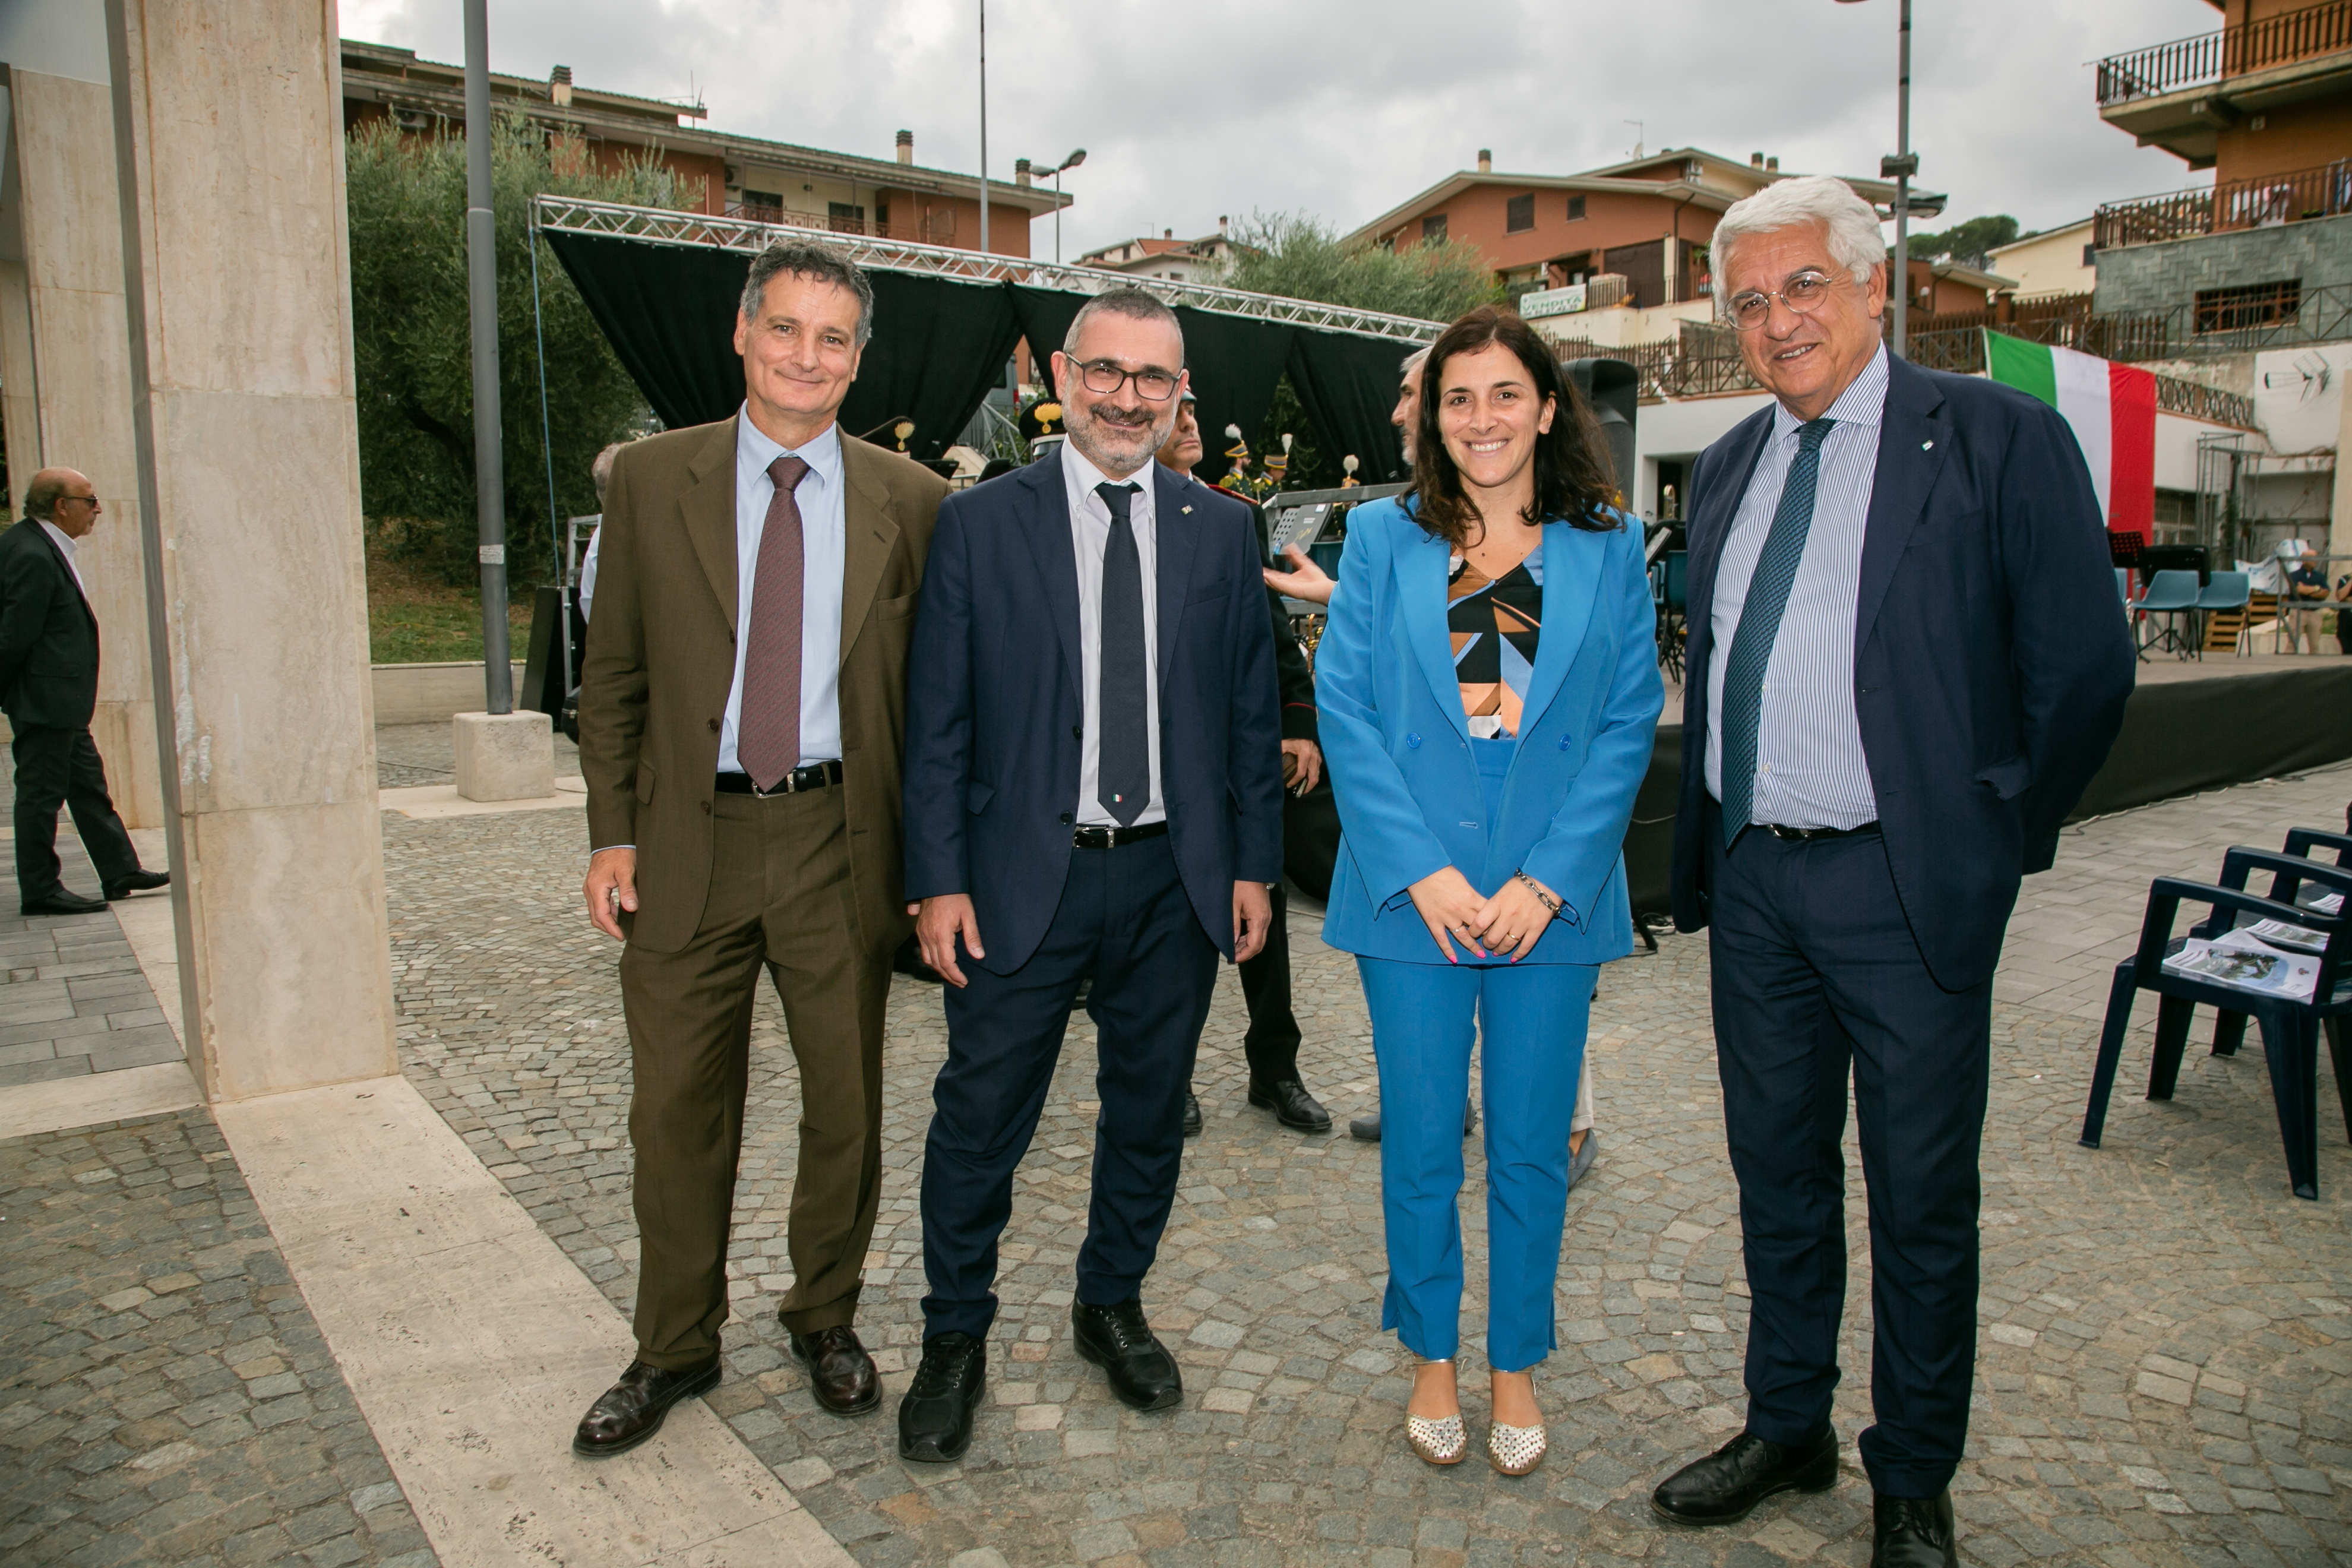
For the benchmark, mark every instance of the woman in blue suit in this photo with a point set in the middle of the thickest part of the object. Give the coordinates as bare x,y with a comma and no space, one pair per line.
1488,684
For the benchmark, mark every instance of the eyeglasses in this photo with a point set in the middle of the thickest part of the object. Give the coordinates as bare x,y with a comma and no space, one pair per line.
86,501
1103,378
1803,294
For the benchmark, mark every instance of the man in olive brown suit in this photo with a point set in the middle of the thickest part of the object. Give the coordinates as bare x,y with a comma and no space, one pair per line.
741,709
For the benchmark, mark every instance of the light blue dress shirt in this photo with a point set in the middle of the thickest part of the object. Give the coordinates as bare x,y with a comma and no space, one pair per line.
825,547
1809,767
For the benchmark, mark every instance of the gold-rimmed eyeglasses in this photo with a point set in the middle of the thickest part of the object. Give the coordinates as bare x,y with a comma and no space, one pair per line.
1804,293
1103,378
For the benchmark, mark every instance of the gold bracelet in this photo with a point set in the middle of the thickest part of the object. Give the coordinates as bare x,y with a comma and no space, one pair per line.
1545,899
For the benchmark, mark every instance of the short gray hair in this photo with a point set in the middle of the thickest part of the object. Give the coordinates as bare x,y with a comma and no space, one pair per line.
42,495
1415,360
1135,304
807,259
601,470
1851,223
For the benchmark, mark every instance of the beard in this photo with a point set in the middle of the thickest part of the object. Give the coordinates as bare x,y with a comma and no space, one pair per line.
1119,439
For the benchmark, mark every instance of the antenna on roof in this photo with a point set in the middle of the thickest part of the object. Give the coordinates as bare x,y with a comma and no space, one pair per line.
1641,134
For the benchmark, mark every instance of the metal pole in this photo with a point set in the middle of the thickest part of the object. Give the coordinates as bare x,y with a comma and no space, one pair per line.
547,455
482,281
983,127
1902,185
1057,218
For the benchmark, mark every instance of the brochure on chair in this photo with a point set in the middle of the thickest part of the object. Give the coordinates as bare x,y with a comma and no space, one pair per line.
2243,960
2288,937
2312,899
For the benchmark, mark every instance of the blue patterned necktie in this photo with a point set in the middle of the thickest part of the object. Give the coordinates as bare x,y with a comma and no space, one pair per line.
1759,623
1123,726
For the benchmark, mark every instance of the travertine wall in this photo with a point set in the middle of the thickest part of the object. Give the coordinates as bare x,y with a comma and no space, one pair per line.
243,267
65,365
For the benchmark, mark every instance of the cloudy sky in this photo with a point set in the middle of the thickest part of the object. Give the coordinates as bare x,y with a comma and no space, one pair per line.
1343,108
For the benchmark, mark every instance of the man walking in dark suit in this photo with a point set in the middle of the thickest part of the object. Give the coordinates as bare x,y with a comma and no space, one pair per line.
1904,668
1094,787
1271,1046
49,687
741,710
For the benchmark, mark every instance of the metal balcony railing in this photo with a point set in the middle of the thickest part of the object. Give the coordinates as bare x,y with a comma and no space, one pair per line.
2299,35
2259,202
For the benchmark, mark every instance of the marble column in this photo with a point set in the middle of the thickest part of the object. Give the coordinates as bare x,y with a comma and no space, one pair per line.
65,365
230,159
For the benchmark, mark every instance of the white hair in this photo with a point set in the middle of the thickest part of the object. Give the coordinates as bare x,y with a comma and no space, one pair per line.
1415,360
1850,223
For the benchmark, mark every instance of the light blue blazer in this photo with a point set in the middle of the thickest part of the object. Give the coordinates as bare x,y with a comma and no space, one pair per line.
1398,745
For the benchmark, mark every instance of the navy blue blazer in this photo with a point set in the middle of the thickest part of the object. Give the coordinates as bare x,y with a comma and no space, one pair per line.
995,705
1411,801
1992,663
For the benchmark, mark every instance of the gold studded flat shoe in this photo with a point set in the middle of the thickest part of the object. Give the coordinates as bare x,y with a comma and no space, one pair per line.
1516,1450
1440,1442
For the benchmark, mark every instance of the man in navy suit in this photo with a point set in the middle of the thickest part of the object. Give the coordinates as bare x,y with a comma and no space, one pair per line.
1093,788
1904,667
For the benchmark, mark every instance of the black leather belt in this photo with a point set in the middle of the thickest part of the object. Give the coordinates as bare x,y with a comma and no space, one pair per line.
1112,837
816,775
1804,835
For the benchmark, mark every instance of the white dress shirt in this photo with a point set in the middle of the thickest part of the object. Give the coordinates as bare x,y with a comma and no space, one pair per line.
1811,770
587,592
1089,535
72,547
824,549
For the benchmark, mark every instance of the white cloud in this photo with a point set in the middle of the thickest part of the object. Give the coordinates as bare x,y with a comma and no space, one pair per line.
1344,108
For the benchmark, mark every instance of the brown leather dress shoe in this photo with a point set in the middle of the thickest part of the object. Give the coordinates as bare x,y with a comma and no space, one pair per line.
633,1409
841,1374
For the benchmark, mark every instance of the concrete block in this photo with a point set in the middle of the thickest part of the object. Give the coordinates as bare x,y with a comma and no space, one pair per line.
505,756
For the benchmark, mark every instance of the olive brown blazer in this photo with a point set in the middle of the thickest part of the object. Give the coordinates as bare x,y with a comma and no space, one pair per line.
660,662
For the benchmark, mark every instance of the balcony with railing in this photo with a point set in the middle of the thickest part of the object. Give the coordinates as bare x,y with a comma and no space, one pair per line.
2261,202
2209,59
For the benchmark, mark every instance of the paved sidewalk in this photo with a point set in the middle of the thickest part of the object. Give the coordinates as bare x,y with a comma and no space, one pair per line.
2165,1376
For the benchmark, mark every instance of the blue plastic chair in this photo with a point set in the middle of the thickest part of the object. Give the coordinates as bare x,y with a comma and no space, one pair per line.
2226,591
2169,594
1674,601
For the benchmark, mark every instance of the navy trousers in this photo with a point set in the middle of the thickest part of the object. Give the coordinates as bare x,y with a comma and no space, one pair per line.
1124,920
1817,980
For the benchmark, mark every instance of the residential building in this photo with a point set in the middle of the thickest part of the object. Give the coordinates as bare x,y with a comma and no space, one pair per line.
1648,220
2246,284
2054,262
1202,260
721,174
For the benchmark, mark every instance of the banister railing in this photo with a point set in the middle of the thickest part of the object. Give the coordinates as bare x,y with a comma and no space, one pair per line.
2259,202
2291,36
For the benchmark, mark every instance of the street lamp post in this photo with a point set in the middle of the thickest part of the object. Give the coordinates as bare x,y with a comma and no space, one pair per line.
1901,167
983,127
482,304
1072,161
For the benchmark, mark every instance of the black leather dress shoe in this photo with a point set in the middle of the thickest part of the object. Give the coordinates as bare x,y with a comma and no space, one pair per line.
137,882
935,1416
1368,1126
841,1374
1191,1115
63,902
1117,1339
1914,1532
1292,1106
633,1409
1725,1487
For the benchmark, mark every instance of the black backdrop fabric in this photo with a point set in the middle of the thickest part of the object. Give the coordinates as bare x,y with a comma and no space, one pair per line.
939,345
1348,384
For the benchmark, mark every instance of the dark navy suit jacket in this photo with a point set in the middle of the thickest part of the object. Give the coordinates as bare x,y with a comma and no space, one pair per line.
1992,661
995,705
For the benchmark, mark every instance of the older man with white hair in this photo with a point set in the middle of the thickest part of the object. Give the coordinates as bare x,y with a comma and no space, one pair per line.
1904,667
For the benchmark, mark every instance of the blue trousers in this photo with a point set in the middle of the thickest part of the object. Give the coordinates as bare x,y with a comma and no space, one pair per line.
1533,1016
1817,982
1126,920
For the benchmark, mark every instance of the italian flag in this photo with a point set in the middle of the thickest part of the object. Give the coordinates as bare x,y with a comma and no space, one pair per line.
2112,408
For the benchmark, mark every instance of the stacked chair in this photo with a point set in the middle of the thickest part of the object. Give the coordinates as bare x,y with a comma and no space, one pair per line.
2291,1028
2169,594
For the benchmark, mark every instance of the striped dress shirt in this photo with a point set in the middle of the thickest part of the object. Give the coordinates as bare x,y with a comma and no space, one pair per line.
1809,767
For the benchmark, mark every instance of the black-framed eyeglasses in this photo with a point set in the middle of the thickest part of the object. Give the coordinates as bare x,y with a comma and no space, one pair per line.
1103,378
1804,293
87,500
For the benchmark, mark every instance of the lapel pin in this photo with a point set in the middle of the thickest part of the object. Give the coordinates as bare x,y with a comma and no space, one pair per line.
1927,446
1187,510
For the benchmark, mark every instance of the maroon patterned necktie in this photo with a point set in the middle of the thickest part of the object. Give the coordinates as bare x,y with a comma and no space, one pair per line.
768,733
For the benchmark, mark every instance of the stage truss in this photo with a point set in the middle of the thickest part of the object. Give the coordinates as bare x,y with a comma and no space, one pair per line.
656,225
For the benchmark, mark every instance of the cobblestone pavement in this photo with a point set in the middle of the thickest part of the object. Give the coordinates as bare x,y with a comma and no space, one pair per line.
2164,1374
408,754
165,1397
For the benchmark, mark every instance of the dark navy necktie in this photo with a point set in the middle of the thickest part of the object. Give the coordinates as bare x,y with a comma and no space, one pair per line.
1123,712
1759,623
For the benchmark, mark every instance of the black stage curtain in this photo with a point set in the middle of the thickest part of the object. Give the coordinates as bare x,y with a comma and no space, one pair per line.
668,312
1235,364
2189,735
1045,315
1348,384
